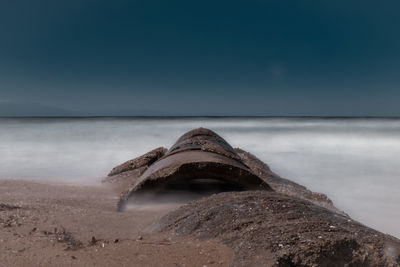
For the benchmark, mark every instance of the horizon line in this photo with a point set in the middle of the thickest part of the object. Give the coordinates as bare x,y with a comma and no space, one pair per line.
200,116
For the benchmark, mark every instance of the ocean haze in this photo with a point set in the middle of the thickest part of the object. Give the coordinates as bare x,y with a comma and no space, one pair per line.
204,104
29,109
352,160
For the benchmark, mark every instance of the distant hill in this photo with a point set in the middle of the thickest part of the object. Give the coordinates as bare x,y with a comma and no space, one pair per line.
29,109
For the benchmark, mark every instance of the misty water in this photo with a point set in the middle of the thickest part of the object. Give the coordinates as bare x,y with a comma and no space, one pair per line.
354,161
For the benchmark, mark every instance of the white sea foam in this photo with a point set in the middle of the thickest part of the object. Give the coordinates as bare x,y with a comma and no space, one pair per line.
354,161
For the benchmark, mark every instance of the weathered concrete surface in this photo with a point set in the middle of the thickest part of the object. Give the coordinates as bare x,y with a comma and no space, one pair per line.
272,229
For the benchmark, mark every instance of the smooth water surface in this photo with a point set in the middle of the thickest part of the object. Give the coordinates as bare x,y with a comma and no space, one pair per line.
356,162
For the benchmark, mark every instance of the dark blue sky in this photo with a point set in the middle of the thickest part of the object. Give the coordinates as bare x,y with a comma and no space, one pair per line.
337,58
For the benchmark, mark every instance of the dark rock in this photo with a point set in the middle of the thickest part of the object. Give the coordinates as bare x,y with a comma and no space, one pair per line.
271,229
199,155
93,241
125,175
204,140
63,236
7,207
142,161
272,222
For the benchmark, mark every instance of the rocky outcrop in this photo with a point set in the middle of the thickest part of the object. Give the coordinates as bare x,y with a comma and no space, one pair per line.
125,175
200,155
272,229
268,221
203,139
203,153
139,162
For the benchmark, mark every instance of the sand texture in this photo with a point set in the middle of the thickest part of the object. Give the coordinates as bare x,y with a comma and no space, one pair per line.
54,225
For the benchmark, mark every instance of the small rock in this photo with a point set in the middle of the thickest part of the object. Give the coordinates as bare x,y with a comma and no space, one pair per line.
93,241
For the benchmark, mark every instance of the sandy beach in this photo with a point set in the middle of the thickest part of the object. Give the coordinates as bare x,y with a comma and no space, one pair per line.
44,224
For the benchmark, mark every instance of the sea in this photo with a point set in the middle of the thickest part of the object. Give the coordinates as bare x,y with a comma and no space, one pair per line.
354,161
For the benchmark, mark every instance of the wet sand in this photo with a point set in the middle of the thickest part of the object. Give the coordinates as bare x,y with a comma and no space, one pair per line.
44,224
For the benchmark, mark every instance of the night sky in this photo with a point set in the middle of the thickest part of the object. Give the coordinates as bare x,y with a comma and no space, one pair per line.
273,58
